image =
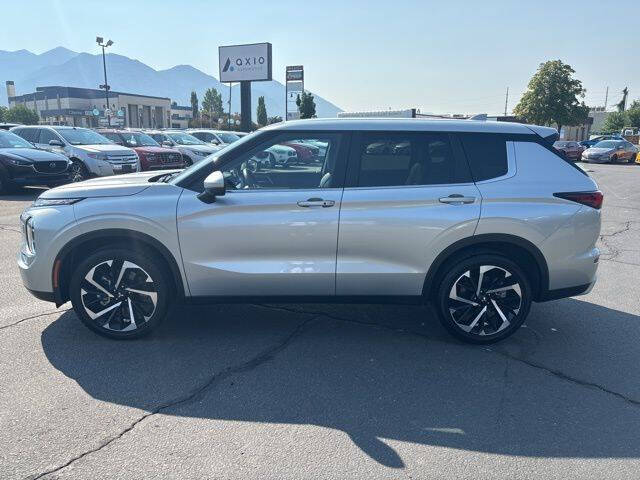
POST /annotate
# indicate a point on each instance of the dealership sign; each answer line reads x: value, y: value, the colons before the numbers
x: 245, y: 63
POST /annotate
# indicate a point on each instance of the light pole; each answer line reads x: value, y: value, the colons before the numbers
x: 100, y: 41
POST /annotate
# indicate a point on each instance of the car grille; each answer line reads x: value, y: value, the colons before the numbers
x: 170, y: 158
x: 54, y: 166
x: 122, y: 159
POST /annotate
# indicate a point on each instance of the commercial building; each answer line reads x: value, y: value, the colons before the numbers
x: 180, y: 116
x: 86, y: 107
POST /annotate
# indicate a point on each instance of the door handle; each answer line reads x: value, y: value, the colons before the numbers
x: 316, y: 202
x: 457, y: 199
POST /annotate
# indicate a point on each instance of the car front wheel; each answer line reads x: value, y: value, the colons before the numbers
x: 484, y: 299
x: 120, y: 293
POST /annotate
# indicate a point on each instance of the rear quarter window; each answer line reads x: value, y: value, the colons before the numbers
x: 486, y: 153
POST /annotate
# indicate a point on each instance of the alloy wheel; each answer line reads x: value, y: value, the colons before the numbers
x: 118, y: 295
x: 485, y: 300
x: 77, y: 173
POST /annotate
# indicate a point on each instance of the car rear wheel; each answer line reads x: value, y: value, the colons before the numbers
x: 120, y: 293
x: 483, y: 299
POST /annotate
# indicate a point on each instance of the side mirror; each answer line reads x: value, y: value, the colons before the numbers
x: 167, y: 143
x: 56, y: 143
x: 213, y: 187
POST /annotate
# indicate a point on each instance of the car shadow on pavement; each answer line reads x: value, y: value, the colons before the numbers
x: 22, y: 195
x: 378, y: 373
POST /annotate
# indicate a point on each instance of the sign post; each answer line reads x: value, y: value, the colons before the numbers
x: 245, y: 64
x: 294, y: 86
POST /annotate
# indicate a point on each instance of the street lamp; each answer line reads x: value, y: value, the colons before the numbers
x: 100, y: 41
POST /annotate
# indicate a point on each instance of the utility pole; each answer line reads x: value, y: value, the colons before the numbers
x: 606, y: 99
x: 506, y: 102
x: 100, y: 41
x: 229, y: 106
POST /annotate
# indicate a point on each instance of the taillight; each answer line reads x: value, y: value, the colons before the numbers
x: 590, y: 199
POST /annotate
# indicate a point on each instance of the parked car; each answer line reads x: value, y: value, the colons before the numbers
x: 91, y: 154
x: 21, y: 164
x: 592, y: 141
x: 192, y: 149
x: 305, y: 153
x: 569, y: 149
x: 8, y: 126
x: 216, y: 137
x: 152, y: 156
x: 611, y: 151
x: 467, y: 229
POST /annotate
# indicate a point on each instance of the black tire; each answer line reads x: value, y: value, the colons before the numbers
x: 79, y: 171
x: 113, y: 292
x: 486, y: 317
x: 613, y: 159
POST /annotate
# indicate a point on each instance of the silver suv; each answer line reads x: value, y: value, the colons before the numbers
x: 480, y: 218
x: 91, y: 154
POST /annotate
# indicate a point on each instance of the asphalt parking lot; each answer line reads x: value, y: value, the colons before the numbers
x: 341, y: 391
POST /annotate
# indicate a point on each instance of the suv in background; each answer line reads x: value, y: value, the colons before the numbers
x: 570, y: 150
x: 91, y: 154
x: 479, y: 218
x: 215, y: 137
x: 152, y: 156
x: 21, y: 164
x: 192, y: 149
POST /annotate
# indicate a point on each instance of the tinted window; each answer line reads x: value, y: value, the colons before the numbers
x: 29, y: 134
x: 46, y: 136
x: 409, y: 159
x: 487, y: 155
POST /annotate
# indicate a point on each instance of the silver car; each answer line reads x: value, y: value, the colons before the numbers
x: 611, y: 151
x: 480, y: 218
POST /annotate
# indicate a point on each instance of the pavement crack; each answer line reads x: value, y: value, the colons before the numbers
x: 556, y: 373
x: 251, y: 364
x: 9, y: 228
x: 2, y: 327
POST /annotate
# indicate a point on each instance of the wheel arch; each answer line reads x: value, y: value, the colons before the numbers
x: 68, y: 257
x: 517, y: 249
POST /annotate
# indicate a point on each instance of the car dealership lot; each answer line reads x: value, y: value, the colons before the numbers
x: 317, y: 391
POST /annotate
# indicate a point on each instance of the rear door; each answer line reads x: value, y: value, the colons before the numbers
x: 408, y: 196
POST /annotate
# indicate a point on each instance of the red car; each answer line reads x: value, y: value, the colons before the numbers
x: 569, y: 149
x: 305, y: 153
x: 152, y: 155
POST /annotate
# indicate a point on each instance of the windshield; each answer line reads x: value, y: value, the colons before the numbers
x: 206, y: 163
x: 11, y: 140
x: 184, y: 138
x: 137, y: 139
x: 228, y: 137
x: 607, y: 144
x: 83, y: 136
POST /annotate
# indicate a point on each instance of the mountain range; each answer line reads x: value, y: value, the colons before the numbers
x: 63, y: 67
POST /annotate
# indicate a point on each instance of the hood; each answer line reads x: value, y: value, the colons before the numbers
x: 109, y: 148
x: 113, y: 186
x: 201, y: 148
x: 31, y: 154
x: 152, y: 149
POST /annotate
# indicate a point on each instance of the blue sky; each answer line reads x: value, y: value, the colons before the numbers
x: 443, y: 57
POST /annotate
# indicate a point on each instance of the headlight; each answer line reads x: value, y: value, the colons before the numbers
x: 19, y: 162
x: 30, y: 236
x: 97, y: 156
x: 52, y: 202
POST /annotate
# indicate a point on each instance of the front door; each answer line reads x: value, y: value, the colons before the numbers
x: 276, y: 229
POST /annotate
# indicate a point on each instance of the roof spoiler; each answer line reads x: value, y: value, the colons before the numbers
x: 548, y: 134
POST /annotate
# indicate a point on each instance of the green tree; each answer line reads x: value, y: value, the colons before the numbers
x: 614, y: 122
x: 274, y: 119
x: 261, y: 112
x: 21, y: 114
x: 212, y: 103
x: 306, y: 105
x: 194, y: 104
x: 3, y: 112
x: 552, y: 97
x: 623, y: 103
x: 633, y: 115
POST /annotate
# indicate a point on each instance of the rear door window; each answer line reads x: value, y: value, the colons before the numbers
x: 29, y: 134
x: 487, y: 154
x: 411, y: 158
